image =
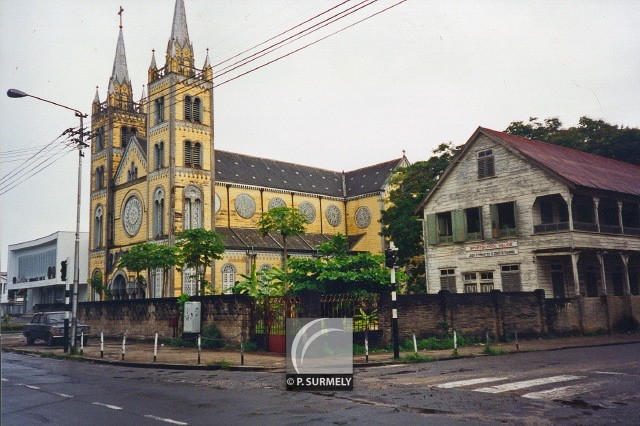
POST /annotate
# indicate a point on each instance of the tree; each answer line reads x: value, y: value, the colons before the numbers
x: 97, y: 284
x: 138, y: 258
x: 286, y: 221
x: 198, y: 248
x: 164, y: 257
x: 593, y: 136
x: 400, y: 223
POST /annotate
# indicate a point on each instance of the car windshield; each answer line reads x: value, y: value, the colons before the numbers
x: 57, y: 317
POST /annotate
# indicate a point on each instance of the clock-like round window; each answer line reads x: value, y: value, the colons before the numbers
x: 363, y: 217
x: 245, y: 206
x: 132, y: 215
x: 334, y: 215
x: 307, y: 209
x: 276, y: 202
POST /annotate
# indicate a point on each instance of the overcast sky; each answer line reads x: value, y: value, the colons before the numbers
x: 419, y: 74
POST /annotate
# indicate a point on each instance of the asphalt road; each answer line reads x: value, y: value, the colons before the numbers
x: 597, y: 386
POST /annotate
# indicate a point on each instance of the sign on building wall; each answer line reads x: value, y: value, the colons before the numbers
x: 489, y: 250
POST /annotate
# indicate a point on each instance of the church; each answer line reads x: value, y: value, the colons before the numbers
x: 155, y: 172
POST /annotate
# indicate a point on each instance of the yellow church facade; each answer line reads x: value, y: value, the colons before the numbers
x: 155, y: 172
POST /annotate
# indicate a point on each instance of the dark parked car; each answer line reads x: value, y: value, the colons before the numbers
x: 49, y: 326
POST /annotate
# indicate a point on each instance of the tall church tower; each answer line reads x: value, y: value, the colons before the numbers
x: 180, y: 149
x: 116, y: 125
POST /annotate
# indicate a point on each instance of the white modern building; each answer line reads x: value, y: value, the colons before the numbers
x: 41, y: 270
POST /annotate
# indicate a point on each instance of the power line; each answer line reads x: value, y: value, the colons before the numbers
x: 4, y: 188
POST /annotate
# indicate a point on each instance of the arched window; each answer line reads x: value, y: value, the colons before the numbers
x: 99, y: 178
x: 189, y: 281
x: 158, y: 281
x: 125, y: 135
x: 228, y: 277
x: 197, y: 155
x: 133, y: 172
x: 158, y: 213
x: 197, y: 110
x: 158, y: 155
x: 192, y: 215
x: 188, y: 154
x: 97, y: 227
x: 188, y: 108
x: 192, y: 154
x: 159, y: 110
x: 99, y: 139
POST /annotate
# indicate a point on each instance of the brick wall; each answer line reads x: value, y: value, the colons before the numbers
x: 144, y: 317
x: 501, y: 314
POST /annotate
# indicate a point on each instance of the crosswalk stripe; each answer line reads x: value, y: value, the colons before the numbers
x: 470, y: 382
x: 527, y: 384
x: 556, y: 393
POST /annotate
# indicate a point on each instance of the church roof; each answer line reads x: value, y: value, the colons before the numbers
x: 247, y: 170
x: 179, y: 30
x: 578, y: 168
x: 252, y: 239
x: 370, y: 179
x: 120, y: 73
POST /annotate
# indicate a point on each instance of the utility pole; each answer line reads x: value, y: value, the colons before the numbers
x: 14, y: 93
x: 76, y: 253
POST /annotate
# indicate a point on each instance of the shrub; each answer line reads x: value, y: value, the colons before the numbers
x: 212, y: 337
x: 413, y: 358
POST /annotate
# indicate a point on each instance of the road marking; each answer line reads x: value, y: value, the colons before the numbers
x: 162, y: 419
x: 113, y: 407
x: 32, y: 387
x: 610, y: 372
x: 526, y: 384
x: 470, y: 382
x: 63, y: 395
x: 4, y: 380
x: 560, y: 392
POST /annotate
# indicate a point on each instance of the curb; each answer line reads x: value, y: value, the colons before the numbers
x: 255, y: 368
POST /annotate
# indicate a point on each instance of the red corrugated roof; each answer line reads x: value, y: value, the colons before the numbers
x: 580, y: 168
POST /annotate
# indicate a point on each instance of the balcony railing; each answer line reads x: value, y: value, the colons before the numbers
x: 582, y: 226
x: 610, y: 229
x: 508, y: 232
x: 551, y: 227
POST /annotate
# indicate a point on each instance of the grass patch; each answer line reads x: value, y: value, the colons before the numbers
x: 224, y: 364
x: 436, y: 344
x: 416, y: 358
x: 488, y: 350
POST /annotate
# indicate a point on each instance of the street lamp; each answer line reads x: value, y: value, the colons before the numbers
x: 13, y: 93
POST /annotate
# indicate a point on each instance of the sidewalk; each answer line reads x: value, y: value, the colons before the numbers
x: 141, y: 353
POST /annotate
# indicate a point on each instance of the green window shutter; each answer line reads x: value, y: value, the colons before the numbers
x: 432, y: 229
x: 495, y: 224
x: 457, y: 219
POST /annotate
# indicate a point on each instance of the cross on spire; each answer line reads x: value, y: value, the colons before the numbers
x: 120, y: 14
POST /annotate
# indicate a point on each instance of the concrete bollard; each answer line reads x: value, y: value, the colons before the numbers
x: 155, y: 348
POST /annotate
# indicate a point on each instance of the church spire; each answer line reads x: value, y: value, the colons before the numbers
x: 119, y: 92
x: 179, y: 30
x: 179, y: 50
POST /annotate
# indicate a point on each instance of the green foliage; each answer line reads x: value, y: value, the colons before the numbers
x: 437, y: 344
x: 97, y: 284
x: 257, y: 284
x: 416, y: 358
x: 286, y: 221
x: 488, y: 350
x: 410, y: 185
x: 137, y: 259
x: 211, y: 337
x: 7, y: 327
x: 593, y: 136
x: 197, y: 248
x: 368, y: 319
